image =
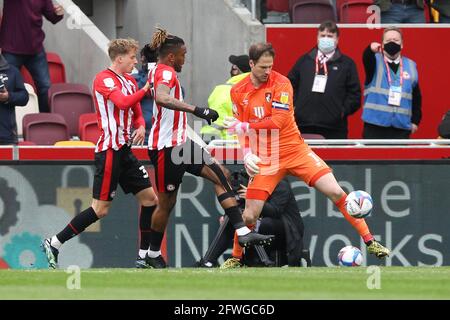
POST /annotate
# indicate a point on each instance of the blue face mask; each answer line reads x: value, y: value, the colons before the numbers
x: 326, y: 45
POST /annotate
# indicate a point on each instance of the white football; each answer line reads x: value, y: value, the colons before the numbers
x: 350, y: 256
x: 359, y: 204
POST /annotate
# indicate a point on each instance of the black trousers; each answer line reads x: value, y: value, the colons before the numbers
x: 372, y: 131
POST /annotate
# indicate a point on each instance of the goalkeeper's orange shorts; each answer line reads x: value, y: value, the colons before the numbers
x: 304, y: 164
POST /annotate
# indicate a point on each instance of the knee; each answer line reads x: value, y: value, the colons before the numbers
x: 149, y: 200
x: 101, y: 212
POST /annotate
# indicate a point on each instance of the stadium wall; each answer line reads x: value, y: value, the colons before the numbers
x: 410, y: 214
x: 81, y: 45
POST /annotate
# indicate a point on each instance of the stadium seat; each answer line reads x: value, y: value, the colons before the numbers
x: 88, y: 127
x: 56, y: 69
x: 353, y: 11
x: 44, y: 128
x: 277, y: 5
x: 74, y: 143
x: 70, y: 100
x: 31, y: 107
x: 311, y: 11
x: 312, y: 136
x: 26, y: 143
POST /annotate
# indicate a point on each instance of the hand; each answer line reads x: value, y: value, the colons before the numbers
x: 4, y: 96
x: 375, y: 47
x: 146, y: 87
x: 235, y: 126
x: 242, y: 191
x: 59, y: 10
x: 414, y: 128
x: 138, y: 136
x: 251, y: 164
x: 210, y: 115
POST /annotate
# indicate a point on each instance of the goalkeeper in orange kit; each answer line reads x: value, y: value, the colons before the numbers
x: 272, y: 144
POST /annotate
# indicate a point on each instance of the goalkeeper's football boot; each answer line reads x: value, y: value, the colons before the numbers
x: 51, y: 253
x: 378, y: 249
x: 155, y: 263
x: 231, y: 263
x: 252, y: 238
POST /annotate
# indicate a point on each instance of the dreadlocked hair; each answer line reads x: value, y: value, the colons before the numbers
x: 165, y: 43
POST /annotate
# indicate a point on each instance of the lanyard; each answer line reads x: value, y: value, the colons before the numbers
x: 389, y: 71
x: 325, y: 68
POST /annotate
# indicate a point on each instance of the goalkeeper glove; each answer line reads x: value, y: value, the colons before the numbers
x: 251, y: 163
x: 210, y: 115
x: 235, y: 126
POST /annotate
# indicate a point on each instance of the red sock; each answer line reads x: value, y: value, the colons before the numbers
x: 237, y: 249
x: 359, y: 224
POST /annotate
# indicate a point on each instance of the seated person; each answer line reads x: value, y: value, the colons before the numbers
x: 280, y: 217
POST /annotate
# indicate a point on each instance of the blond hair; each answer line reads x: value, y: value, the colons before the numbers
x: 119, y: 47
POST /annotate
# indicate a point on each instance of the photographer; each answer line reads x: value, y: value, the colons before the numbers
x: 12, y: 94
x: 280, y: 217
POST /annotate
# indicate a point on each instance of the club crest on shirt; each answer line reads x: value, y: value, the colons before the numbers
x: 284, y: 97
x: 406, y: 75
x: 268, y: 96
x: 167, y: 76
x: 109, y: 83
x: 259, y: 112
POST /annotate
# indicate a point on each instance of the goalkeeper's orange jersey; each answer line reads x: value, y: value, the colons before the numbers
x: 271, y: 103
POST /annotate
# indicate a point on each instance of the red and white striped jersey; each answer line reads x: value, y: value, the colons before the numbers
x: 114, y: 122
x: 168, y: 126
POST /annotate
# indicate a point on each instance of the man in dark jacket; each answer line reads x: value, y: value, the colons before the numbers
x: 326, y: 87
x: 280, y: 216
x: 12, y: 94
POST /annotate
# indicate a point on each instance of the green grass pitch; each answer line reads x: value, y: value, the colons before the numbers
x: 246, y: 283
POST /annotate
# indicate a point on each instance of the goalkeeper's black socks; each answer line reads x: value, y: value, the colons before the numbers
x: 145, y: 222
x: 78, y: 224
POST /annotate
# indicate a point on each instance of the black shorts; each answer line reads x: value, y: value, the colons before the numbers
x: 118, y: 167
x: 171, y: 163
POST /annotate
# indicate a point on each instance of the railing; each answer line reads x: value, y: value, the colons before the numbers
x: 366, y: 143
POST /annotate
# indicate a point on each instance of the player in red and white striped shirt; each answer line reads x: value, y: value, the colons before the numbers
x: 118, y: 110
x: 172, y: 153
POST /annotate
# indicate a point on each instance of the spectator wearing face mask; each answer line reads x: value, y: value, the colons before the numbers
x: 326, y: 87
x: 392, y: 99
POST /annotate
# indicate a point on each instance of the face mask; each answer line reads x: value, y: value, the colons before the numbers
x: 392, y: 48
x: 326, y: 45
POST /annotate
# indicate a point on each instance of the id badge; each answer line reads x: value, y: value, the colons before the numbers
x: 320, y: 82
x: 395, y: 96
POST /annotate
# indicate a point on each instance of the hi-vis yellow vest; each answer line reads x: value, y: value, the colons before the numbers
x: 220, y: 101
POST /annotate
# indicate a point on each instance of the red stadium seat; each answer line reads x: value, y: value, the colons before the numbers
x: 311, y: 11
x: 353, y: 11
x: 26, y: 143
x: 88, y: 127
x: 70, y: 100
x: 277, y: 5
x: 56, y: 69
x: 312, y: 136
x: 44, y: 128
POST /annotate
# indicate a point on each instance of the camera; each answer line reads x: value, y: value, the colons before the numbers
x: 3, y: 79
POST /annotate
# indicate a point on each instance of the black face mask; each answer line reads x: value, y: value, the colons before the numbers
x: 392, y: 48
